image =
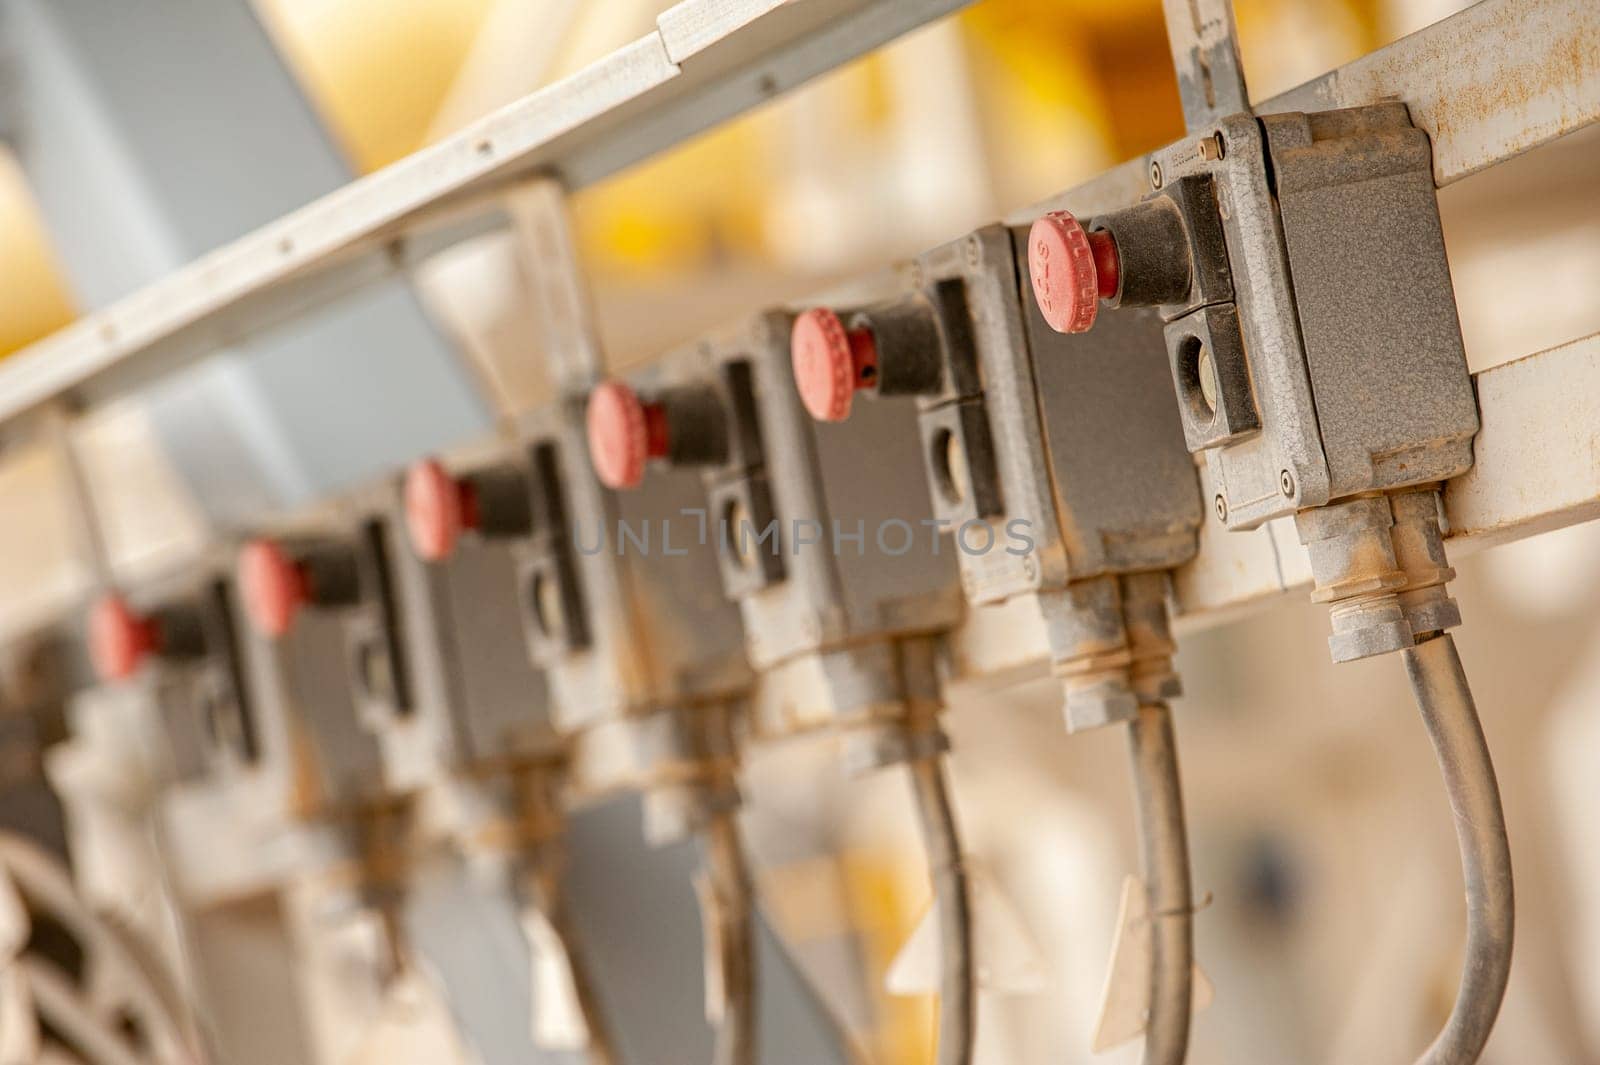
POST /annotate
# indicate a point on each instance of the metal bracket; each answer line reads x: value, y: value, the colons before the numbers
x: 1205, y: 52
x: 549, y: 256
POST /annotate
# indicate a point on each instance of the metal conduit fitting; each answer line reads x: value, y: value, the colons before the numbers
x: 1150, y: 643
x: 1093, y: 656
x: 1419, y: 551
x: 1355, y: 572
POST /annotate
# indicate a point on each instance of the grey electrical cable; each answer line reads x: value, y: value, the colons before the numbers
x: 1445, y: 700
x: 953, y: 905
x: 1165, y: 844
x: 731, y: 907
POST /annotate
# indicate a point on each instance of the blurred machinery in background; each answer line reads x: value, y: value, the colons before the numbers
x: 586, y: 591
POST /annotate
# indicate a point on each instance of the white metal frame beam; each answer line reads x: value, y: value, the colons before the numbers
x: 707, y: 61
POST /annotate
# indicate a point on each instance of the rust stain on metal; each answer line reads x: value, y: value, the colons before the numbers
x: 1553, y: 76
x: 1484, y: 107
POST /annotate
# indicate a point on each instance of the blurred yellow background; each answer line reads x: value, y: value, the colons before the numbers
x: 34, y: 300
x: 1057, y: 91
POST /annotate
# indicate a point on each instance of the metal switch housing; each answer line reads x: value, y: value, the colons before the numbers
x: 348, y: 663
x: 659, y: 629
x: 643, y: 656
x: 1088, y: 452
x: 199, y: 682
x: 469, y: 656
x: 1336, y: 364
x: 831, y: 548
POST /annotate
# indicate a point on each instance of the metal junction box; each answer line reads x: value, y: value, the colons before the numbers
x: 469, y: 655
x: 655, y: 626
x: 1072, y: 441
x: 625, y: 614
x: 199, y: 684
x: 824, y: 530
x: 347, y: 667
x: 1053, y: 459
x: 1331, y: 363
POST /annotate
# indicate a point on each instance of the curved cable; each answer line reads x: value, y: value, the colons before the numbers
x: 1451, y: 718
x: 47, y: 885
x: 729, y: 906
x: 65, y: 1008
x: 952, y: 902
x: 1164, y: 842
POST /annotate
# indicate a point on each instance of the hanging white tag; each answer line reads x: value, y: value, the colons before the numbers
x: 413, y: 1024
x: 1125, y: 1002
x: 19, y: 1027
x: 712, y: 947
x: 14, y: 924
x: 558, y: 1022
x: 1005, y: 951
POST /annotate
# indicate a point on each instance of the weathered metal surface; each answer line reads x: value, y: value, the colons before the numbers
x: 1248, y: 472
x: 1479, y: 105
x: 981, y: 266
x: 1496, y: 80
x: 1082, y: 473
x: 819, y: 606
x: 1236, y: 571
x: 659, y: 630
x: 857, y: 475
x: 1373, y: 298
x: 470, y: 670
x: 1357, y: 377
x: 1205, y: 52
x: 1109, y: 190
x: 1125, y: 489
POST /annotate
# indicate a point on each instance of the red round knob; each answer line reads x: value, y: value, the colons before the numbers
x: 438, y: 509
x: 624, y: 434
x: 273, y: 586
x: 830, y: 363
x: 119, y: 639
x: 1072, y: 271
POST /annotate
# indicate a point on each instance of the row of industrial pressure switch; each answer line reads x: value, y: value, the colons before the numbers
x: 729, y: 548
